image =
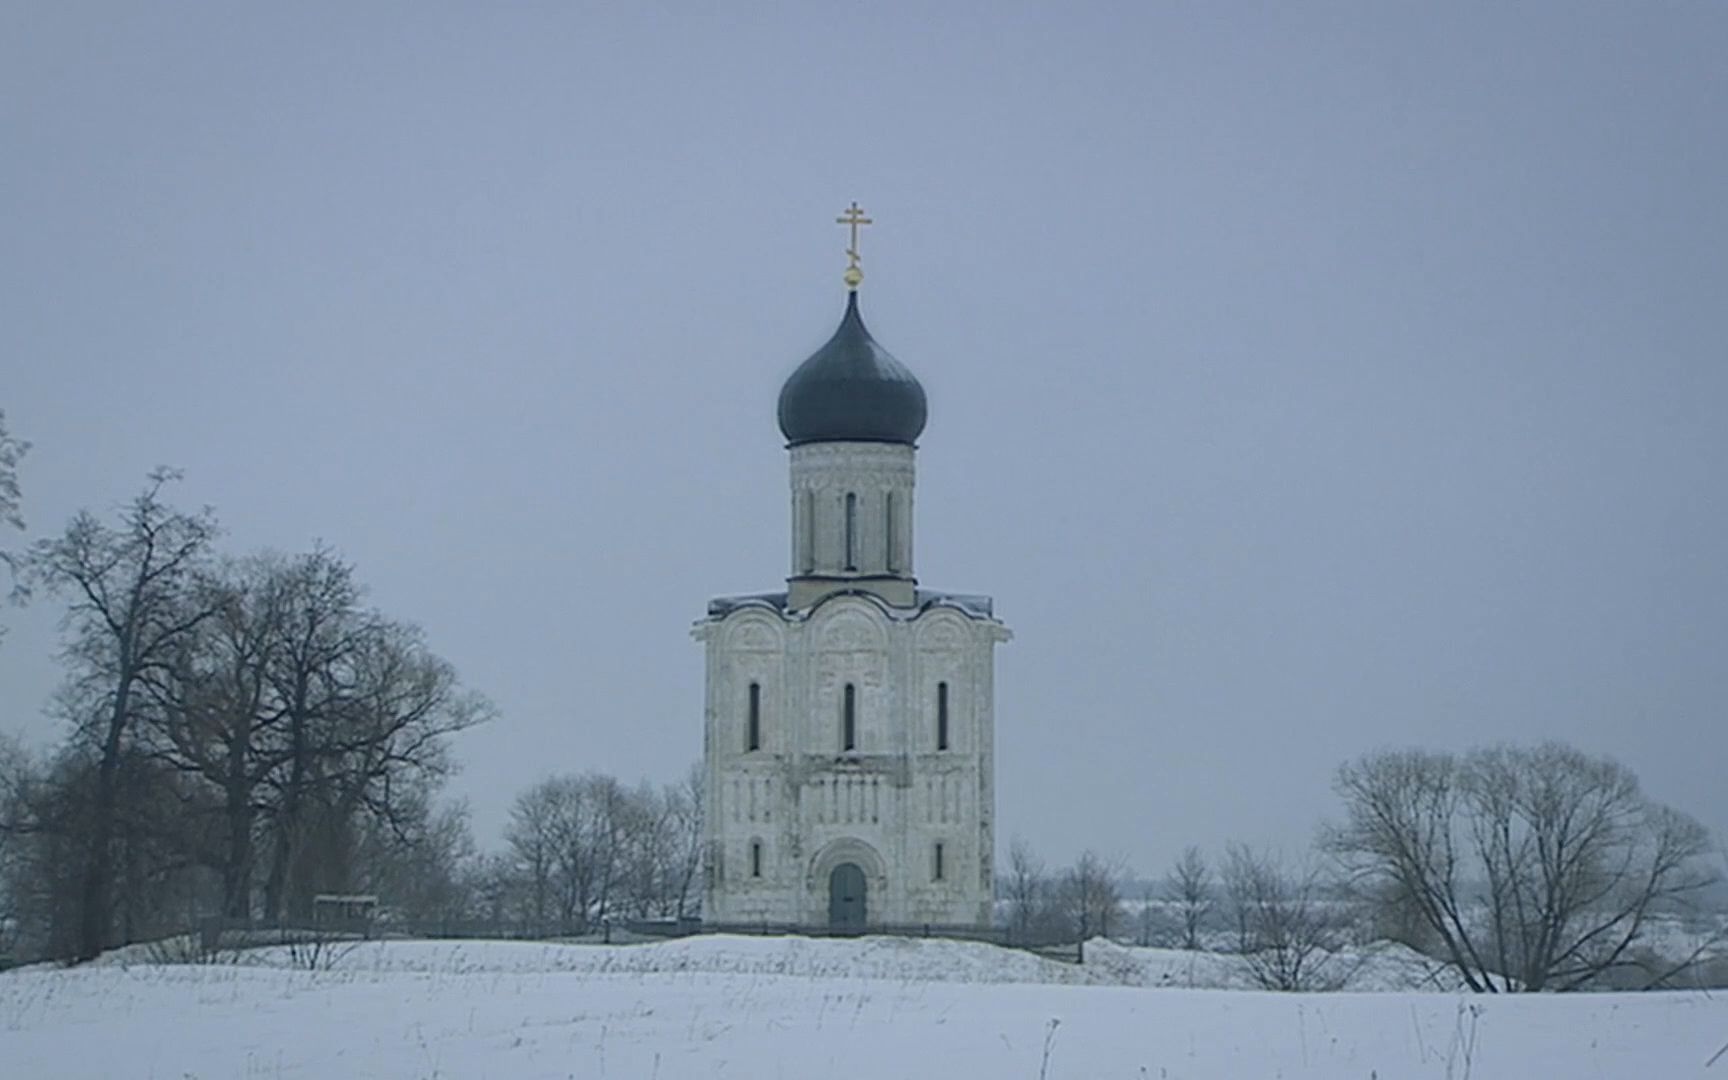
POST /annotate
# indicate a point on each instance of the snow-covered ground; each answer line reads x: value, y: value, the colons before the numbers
x: 864, y: 958
x: 1381, y: 967
x: 750, y: 1007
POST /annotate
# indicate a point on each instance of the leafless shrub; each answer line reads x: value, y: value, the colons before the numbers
x: 319, y: 950
x: 190, y: 949
x: 1287, y: 930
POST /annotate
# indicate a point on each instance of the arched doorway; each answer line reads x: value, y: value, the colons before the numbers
x: 846, y: 889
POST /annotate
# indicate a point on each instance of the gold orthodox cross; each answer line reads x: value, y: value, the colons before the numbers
x: 853, y: 216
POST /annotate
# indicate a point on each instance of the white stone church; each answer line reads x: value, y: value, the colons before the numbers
x: 849, y: 725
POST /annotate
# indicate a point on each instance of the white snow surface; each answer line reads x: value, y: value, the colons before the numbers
x: 1384, y: 966
x: 791, y: 1007
x: 898, y: 958
x: 1381, y: 967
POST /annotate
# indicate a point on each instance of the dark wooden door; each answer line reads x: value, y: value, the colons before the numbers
x: 846, y: 898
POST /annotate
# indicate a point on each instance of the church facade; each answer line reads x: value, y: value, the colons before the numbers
x: 849, y: 720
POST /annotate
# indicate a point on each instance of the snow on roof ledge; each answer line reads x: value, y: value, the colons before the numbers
x: 971, y: 604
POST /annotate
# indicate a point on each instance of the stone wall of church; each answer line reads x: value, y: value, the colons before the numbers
x: 852, y: 520
x: 780, y: 816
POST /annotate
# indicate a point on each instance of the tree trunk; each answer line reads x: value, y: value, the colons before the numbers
x: 237, y: 869
x: 237, y: 794
x: 93, y: 919
x: 288, y: 822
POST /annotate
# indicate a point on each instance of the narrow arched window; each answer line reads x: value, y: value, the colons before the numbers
x: 937, y: 866
x: 892, y: 563
x: 807, y: 552
x: 753, y: 727
x: 851, y: 531
x: 849, y: 719
x: 755, y: 858
x: 941, y: 716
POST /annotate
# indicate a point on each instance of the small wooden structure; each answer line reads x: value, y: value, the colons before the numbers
x: 352, y: 913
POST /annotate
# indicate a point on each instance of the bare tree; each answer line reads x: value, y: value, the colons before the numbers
x: 1286, y: 931
x: 586, y: 849
x: 132, y: 602
x: 1533, y: 868
x: 39, y: 856
x: 320, y: 626
x: 492, y: 884
x: 315, y: 717
x: 1026, y: 888
x: 47, y: 815
x: 421, y: 861
x: 1189, y: 891
x: 532, y: 839
x: 645, y: 854
x: 684, y: 803
x: 217, y: 712
x: 606, y: 829
x: 17, y: 775
x: 371, y: 758
x: 1091, y: 896
x: 223, y: 711
x: 566, y: 832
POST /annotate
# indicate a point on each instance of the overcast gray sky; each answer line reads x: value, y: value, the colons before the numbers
x: 1303, y: 379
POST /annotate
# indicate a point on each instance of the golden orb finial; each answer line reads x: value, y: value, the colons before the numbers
x: 853, y: 216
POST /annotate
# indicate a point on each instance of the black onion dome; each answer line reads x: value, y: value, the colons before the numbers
x: 851, y: 390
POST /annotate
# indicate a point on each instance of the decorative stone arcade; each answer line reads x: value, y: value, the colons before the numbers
x: 848, y: 730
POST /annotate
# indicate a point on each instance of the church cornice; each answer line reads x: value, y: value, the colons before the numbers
x: 974, y: 607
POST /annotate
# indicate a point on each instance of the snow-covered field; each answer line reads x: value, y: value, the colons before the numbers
x: 749, y: 1007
